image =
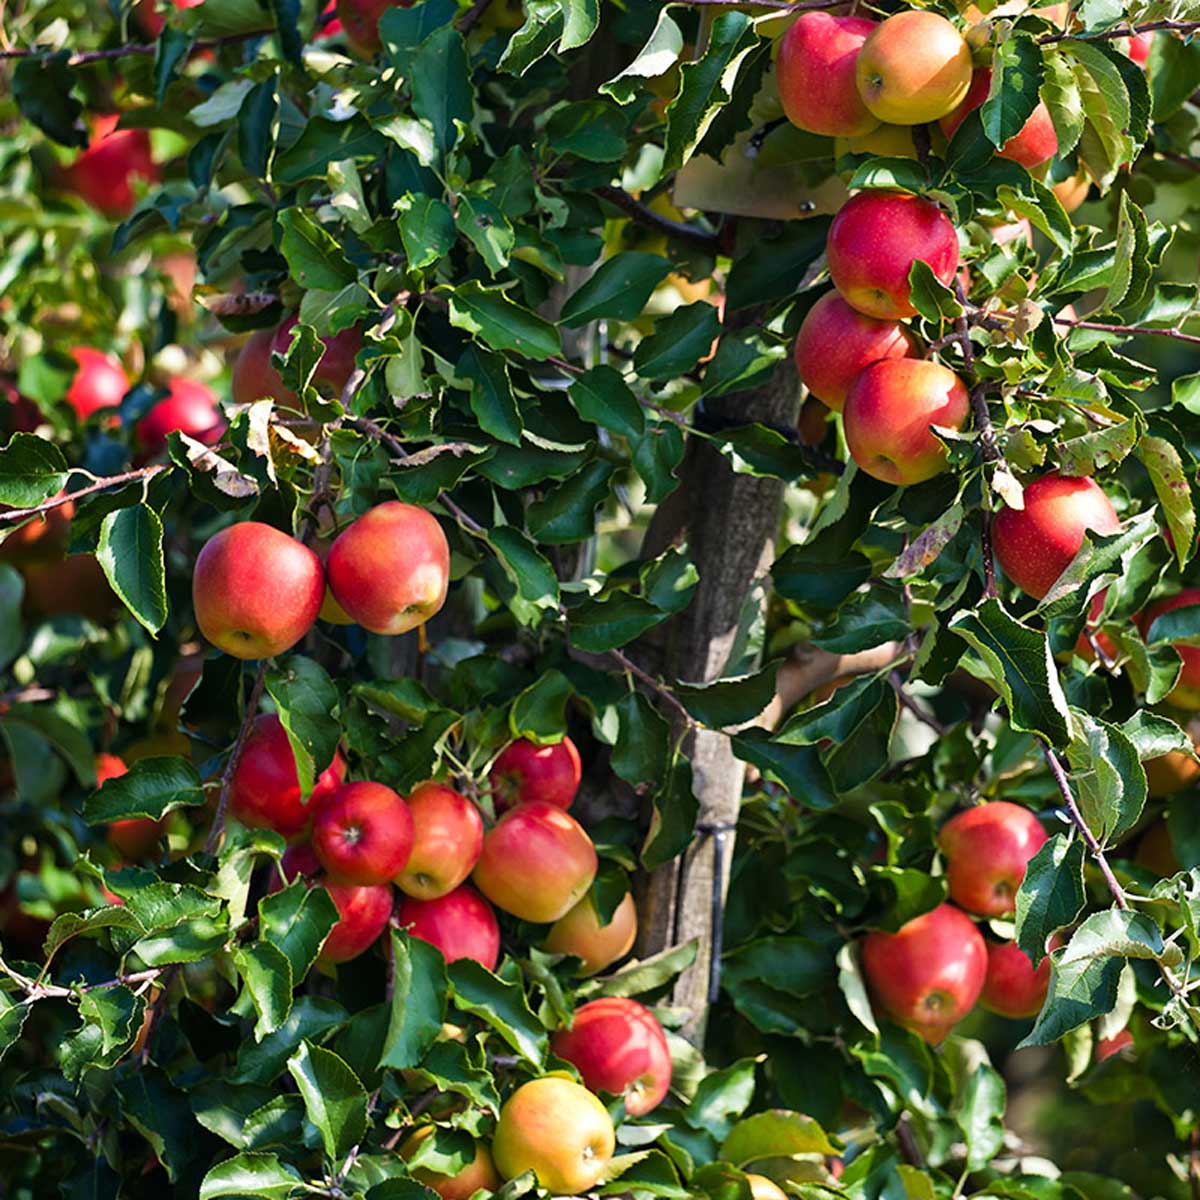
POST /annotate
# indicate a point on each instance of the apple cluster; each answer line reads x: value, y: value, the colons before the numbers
x: 929, y: 974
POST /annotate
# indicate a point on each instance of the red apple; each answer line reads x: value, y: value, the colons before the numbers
x: 460, y: 924
x: 618, y: 1046
x: 1036, y: 142
x: 151, y: 20
x: 360, y: 22
x: 363, y: 910
x: 390, y: 569
x: 479, y: 1173
x: 987, y: 848
x: 256, y: 591
x: 1140, y: 46
x: 190, y: 407
x: 1035, y: 545
x: 1186, y: 692
x: 447, y: 841
x: 265, y: 789
x: 874, y: 241
x: 537, y: 863
x: 255, y: 377
x: 103, y: 174
x: 836, y: 342
x: 137, y: 837
x: 1013, y: 987
x: 580, y: 934
x: 1107, y: 1047
x: 100, y: 382
x: 928, y: 975
x: 815, y: 73
x: 888, y: 415
x: 524, y: 772
x: 363, y: 834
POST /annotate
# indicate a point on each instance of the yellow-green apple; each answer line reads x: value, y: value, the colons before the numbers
x: 103, y: 174
x: 390, y: 569
x: 254, y: 375
x: 136, y: 837
x: 189, y: 407
x: 762, y: 1188
x: 363, y: 910
x: 1035, y: 544
x: 873, y: 242
x: 580, y: 934
x: 1073, y: 192
x: 537, y: 863
x: 836, y: 342
x: 815, y: 73
x: 914, y: 68
x: 1186, y: 692
x: 460, y: 924
x: 479, y: 1173
x: 363, y: 833
x: 447, y: 841
x: 255, y: 590
x: 524, y: 772
x: 888, y: 414
x: 559, y: 1131
x: 987, y: 848
x: 99, y: 382
x: 618, y: 1046
x: 1035, y: 142
x: 264, y: 792
x: 1013, y: 987
x: 928, y: 975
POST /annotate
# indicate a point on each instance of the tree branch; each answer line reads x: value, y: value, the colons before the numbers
x: 1129, y: 330
x: 131, y: 48
x: 65, y: 497
x: 701, y: 239
x: 1101, y: 35
x: 35, y: 990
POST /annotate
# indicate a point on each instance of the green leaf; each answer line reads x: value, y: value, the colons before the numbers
x: 261, y: 1176
x: 528, y: 569
x: 111, y: 1019
x: 402, y: 30
x: 334, y: 1099
x: 426, y: 228
x: 31, y: 471
x: 1110, y: 782
x: 305, y: 698
x: 539, y: 712
x: 618, y: 290
x: 492, y: 399
x: 441, y: 85
x: 311, y: 1019
x: 1019, y: 665
x: 799, y: 769
x: 721, y: 1098
x: 980, y: 1116
x: 43, y: 86
x: 647, y: 975
x: 673, y: 817
x: 131, y: 553
x: 930, y: 296
x: 12, y: 1022
x: 679, y: 341
x: 267, y: 974
x: 500, y: 1004
x: 642, y: 746
x: 867, y: 619
x: 1016, y: 79
x: 489, y: 314
x: 776, y: 1134
x: 1051, y: 895
x: 418, y: 1005
x: 296, y: 920
x: 1165, y: 467
x: 598, y: 626
x: 602, y: 397
x: 152, y: 787
x: 324, y: 142
x: 568, y: 512
x: 12, y: 627
x: 535, y: 39
x: 732, y: 701
x: 258, y: 127
x: 313, y: 256
x: 487, y: 229
x: 1060, y: 91
x: 660, y: 53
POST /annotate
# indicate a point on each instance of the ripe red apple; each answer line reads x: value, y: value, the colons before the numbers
x: 137, y: 837
x: 99, y: 382
x: 447, y: 841
x: 888, y: 415
x: 363, y: 833
x: 390, y: 569
x: 1034, y: 144
x: 580, y: 933
x: 479, y: 1173
x: 460, y: 924
x: 836, y: 342
x: 190, y: 407
x: 1107, y: 1047
x: 103, y: 174
x: 874, y: 241
x: 815, y: 72
x: 914, y: 68
x: 256, y: 591
x: 1013, y: 987
x: 1140, y: 46
x: 265, y: 789
x: 255, y: 378
x: 524, y: 772
x: 987, y: 848
x: 559, y: 1131
x: 928, y: 975
x: 537, y: 863
x: 151, y: 20
x: 1186, y: 692
x: 1035, y: 544
x: 618, y: 1046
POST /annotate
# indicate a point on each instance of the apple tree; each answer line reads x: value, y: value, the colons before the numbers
x: 599, y: 599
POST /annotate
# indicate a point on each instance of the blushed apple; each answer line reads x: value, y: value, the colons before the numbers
x: 363, y: 833
x: 460, y: 924
x: 815, y: 73
x: 99, y: 382
x: 135, y: 838
x: 189, y: 407
x: 255, y: 377
x: 1186, y: 692
x: 525, y: 772
x: 987, y: 848
x: 1035, y: 143
x: 1013, y: 987
x: 447, y: 841
x: 579, y: 933
x: 479, y: 1173
x: 103, y: 173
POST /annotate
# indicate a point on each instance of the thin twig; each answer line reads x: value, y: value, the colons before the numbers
x: 702, y: 239
x: 1123, y: 31
x: 40, y: 991
x: 657, y: 686
x: 218, y: 825
x: 467, y: 21
x: 1130, y: 330
x: 132, y: 48
x: 897, y: 682
x: 65, y: 497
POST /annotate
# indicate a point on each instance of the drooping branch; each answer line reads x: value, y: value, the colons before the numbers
x: 701, y: 239
x: 98, y: 485
x: 1129, y: 330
